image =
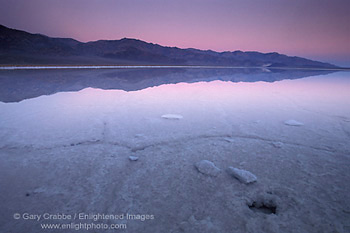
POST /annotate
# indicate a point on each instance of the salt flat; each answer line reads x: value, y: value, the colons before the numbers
x: 70, y: 153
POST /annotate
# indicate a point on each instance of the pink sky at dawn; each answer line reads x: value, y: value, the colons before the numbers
x: 315, y: 29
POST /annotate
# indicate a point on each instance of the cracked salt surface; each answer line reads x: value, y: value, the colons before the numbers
x: 71, y: 153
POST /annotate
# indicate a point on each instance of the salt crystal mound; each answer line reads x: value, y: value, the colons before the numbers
x: 172, y: 116
x: 208, y: 168
x: 243, y: 176
x: 293, y: 123
x: 133, y: 158
x: 277, y: 144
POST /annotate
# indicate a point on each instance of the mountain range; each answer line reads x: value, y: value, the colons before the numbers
x: 22, y: 48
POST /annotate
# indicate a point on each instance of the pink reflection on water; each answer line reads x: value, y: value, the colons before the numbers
x: 329, y: 94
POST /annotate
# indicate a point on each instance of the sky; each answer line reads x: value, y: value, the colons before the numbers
x: 315, y: 29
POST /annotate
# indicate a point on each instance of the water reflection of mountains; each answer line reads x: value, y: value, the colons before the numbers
x: 17, y: 85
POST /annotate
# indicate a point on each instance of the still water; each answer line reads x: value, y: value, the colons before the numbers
x: 54, y: 108
x: 290, y: 128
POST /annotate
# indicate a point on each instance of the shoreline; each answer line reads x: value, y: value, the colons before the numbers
x: 46, y: 67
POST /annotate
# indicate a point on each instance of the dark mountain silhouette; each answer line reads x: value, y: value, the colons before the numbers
x: 23, y: 48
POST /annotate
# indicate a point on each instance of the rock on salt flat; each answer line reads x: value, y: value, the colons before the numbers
x: 208, y: 168
x: 133, y: 158
x: 172, y: 116
x: 243, y: 176
x: 293, y: 123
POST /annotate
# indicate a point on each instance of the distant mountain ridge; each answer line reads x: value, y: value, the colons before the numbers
x: 23, y: 48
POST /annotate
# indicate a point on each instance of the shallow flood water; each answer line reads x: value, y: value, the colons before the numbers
x: 66, y: 138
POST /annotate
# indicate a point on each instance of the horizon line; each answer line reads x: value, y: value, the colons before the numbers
x: 51, y: 67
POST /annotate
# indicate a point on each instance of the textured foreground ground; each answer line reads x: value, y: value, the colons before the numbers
x: 69, y: 154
